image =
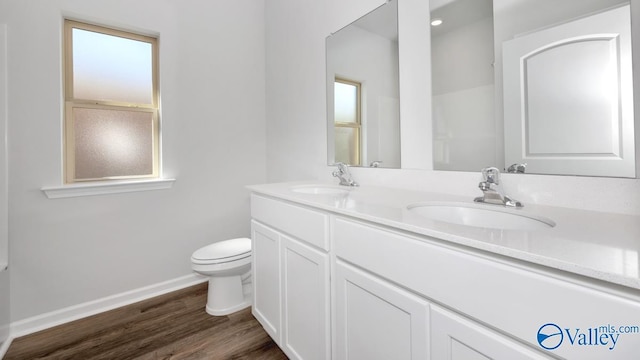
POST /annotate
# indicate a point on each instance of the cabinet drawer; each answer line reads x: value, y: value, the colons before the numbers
x: 303, y: 224
x: 505, y: 295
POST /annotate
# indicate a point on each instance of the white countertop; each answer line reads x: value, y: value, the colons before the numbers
x: 599, y: 245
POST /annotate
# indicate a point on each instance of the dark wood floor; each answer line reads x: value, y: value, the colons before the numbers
x: 171, y: 326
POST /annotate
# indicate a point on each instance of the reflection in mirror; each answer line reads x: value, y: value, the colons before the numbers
x: 540, y: 82
x: 347, y: 121
x: 363, y: 102
x: 463, y: 86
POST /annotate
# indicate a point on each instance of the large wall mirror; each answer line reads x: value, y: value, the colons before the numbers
x: 542, y: 82
x: 363, y: 101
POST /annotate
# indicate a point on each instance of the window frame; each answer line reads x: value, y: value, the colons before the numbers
x: 357, y: 125
x: 71, y: 102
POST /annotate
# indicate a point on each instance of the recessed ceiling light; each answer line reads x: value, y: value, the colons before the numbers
x: 436, y: 22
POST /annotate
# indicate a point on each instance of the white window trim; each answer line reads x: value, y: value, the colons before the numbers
x: 106, y: 187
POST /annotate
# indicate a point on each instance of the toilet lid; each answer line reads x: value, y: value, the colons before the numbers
x: 223, y: 251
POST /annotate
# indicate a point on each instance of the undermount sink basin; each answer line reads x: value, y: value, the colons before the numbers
x: 320, y: 190
x: 484, y: 216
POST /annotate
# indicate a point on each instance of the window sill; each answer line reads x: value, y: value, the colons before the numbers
x: 104, y: 188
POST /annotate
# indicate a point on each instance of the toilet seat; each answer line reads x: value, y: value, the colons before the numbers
x: 223, y: 252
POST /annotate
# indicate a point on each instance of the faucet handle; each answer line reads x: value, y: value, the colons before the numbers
x: 517, y: 168
x: 491, y: 175
x: 342, y: 167
x: 343, y: 174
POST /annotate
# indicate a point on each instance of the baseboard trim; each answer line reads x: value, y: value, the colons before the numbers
x: 4, y: 347
x: 58, y: 317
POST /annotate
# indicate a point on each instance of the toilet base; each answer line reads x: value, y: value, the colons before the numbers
x: 227, y: 311
x: 226, y: 296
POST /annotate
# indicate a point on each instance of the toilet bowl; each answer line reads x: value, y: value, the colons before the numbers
x: 227, y: 264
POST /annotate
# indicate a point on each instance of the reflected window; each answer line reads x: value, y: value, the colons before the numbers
x: 348, y: 124
x: 111, y: 110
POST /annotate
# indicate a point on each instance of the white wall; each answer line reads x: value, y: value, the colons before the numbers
x: 295, y: 93
x: 4, y: 216
x: 69, y: 251
x: 296, y: 114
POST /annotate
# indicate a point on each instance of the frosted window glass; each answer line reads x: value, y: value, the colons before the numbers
x: 346, y: 141
x: 112, y: 143
x: 111, y: 68
x: 346, y: 103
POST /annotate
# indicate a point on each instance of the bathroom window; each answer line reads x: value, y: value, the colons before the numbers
x: 348, y: 123
x: 111, y: 104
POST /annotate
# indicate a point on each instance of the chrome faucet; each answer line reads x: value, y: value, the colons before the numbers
x: 517, y: 168
x: 492, y: 189
x: 344, y: 175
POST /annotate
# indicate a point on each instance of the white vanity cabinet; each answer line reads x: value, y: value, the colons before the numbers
x: 497, y: 306
x: 376, y: 319
x: 291, y: 276
x: 330, y: 284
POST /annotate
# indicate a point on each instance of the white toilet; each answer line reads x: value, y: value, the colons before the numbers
x: 227, y: 264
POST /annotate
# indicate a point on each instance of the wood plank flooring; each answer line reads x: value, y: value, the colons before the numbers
x: 171, y: 326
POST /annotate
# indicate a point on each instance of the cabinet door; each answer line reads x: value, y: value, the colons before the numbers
x: 454, y: 337
x: 306, y: 316
x: 377, y: 320
x: 266, y: 278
